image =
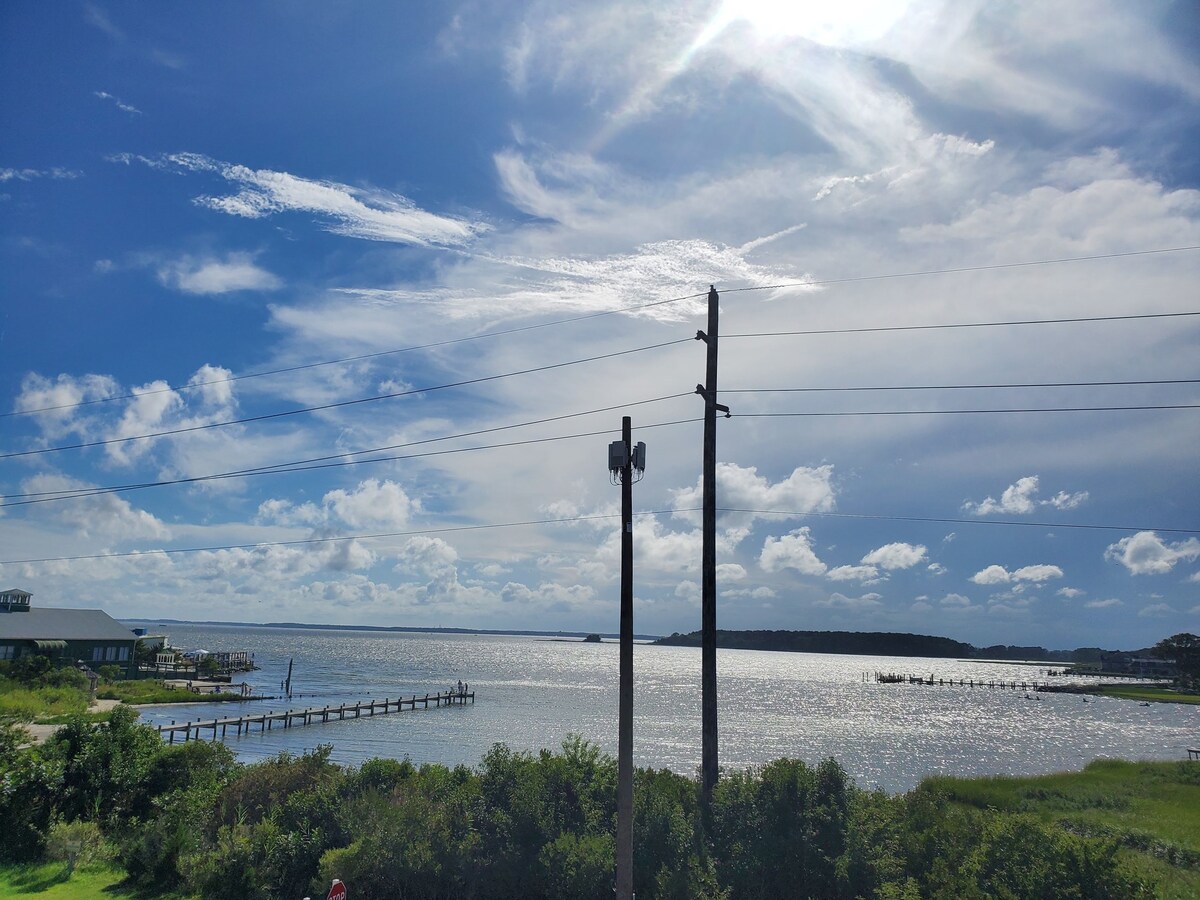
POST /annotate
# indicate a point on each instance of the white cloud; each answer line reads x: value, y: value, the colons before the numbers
x: 1021, y: 498
x: 236, y: 272
x: 1155, y: 611
x: 936, y: 569
x: 1145, y: 553
x: 791, y: 551
x: 1103, y: 604
x: 372, y: 214
x: 852, y: 573
x: 99, y: 515
x: 121, y: 104
x: 841, y: 601
x: 896, y: 556
x: 999, y: 575
x: 742, y: 488
x: 56, y: 173
x: 1069, y: 592
x: 373, y: 504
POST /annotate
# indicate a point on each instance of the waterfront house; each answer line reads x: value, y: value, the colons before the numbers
x: 64, y: 636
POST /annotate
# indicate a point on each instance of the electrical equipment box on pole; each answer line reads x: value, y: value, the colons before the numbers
x: 618, y: 456
x: 639, y: 456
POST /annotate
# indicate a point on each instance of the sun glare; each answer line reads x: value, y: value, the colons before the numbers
x: 843, y: 23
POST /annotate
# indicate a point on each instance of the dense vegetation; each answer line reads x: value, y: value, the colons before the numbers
x: 1184, y: 648
x: 190, y: 821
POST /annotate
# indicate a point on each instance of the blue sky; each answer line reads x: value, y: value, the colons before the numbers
x: 192, y: 194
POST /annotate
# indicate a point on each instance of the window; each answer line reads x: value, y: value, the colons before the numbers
x: 123, y: 656
x: 97, y: 654
x: 7, y: 651
x: 110, y: 654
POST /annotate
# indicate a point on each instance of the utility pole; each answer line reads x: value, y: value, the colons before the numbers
x: 624, y: 460
x: 708, y: 559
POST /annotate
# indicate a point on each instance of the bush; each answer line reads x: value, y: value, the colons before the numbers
x: 76, y: 844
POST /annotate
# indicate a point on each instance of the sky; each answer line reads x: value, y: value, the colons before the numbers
x: 426, y: 256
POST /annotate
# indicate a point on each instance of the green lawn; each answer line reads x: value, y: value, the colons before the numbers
x: 1151, y: 809
x: 1148, y: 694
x: 49, y: 880
x: 151, y: 691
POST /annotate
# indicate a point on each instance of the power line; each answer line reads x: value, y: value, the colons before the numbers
x: 116, y: 489
x: 951, y: 521
x: 945, y: 412
x: 286, y: 466
x: 934, y: 327
x: 627, y: 309
x: 350, y: 359
x: 342, y: 403
x: 982, y: 268
x: 958, y: 387
x: 586, y: 518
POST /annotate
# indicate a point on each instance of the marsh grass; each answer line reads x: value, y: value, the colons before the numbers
x: 19, y: 703
x: 1152, y: 811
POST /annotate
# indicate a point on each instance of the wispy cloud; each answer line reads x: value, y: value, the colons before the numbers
x: 56, y: 172
x: 236, y: 272
x: 368, y: 213
x: 121, y: 104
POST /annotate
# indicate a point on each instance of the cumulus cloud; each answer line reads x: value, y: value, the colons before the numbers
x: 895, y: 556
x: 841, y: 601
x: 791, y: 551
x: 1000, y: 575
x: 98, y: 515
x: 372, y: 214
x: 236, y: 272
x: 852, y: 573
x: 1145, y: 553
x: 1103, y: 604
x: 805, y: 490
x: 1069, y: 592
x: 373, y: 504
x: 1021, y: 498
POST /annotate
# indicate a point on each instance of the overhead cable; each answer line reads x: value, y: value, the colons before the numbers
x: 340, y: 404
x: 192, y: 385
x: 448, y: 529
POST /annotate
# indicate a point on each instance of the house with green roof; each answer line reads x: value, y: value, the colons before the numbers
x: 64, y: 636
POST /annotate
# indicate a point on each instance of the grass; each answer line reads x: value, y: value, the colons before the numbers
x: 149, y: 691
x: 50, y: 881
x: 1149, y: 694
x: 1151, y: 809
x: 19, y: 703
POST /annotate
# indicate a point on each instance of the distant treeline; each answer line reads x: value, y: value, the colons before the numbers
x: 879, y: 643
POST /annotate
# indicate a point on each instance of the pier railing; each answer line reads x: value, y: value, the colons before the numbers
x: 294, y: 718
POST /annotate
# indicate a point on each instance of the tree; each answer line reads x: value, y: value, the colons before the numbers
x: 1184, y: 648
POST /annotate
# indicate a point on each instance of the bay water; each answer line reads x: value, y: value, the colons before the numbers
x: 533, y: 692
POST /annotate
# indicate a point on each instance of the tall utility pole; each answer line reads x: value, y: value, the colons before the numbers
x: 708, y: 560
x: 624, y: 459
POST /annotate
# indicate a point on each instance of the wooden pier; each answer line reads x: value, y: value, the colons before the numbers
x: 294, y: 718
x: 893, y: 678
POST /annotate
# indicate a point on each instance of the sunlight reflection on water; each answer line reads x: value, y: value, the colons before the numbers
x: 533, y: 692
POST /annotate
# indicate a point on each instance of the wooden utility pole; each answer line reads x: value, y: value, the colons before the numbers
x: 708, y: 560
x: 623, y: 459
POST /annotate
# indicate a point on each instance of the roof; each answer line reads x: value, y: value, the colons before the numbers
x: 62, y: 625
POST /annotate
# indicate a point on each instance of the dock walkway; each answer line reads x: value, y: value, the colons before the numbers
x: 294, y: 718
x: 1009, y: 685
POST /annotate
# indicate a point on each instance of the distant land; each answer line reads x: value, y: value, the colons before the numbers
x: 855, y: 643
x: 886, y: 643
x: 411, y: 629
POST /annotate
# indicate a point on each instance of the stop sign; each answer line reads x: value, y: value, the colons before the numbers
x: 337, y: 891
